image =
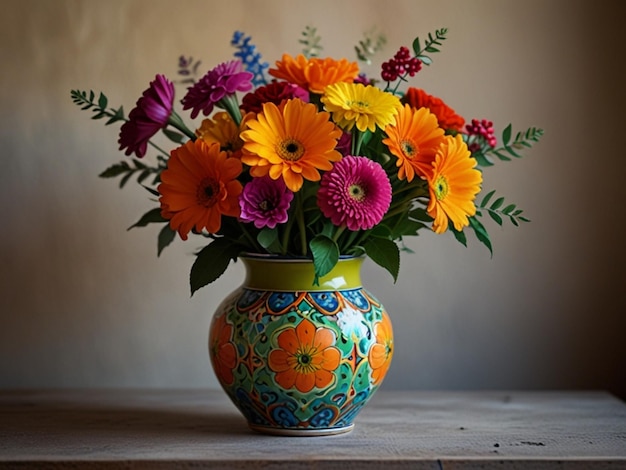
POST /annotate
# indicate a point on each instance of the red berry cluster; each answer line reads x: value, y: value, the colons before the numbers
x: 484, y: 129
x: 401, y: 64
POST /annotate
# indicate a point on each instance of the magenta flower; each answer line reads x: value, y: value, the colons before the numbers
x: 274, y: 92
x: 150, y: 115
x: 220, y: 82
x: 265, y: 202
x: 355, y: 193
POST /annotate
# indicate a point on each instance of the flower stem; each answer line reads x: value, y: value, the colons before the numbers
x: 177, y: 122
x: 357, y: 140
x: 301, y: 225
x: 231, y: 105
x: 254, y: 244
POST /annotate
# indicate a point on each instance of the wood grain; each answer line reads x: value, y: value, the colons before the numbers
x: 160, y: 429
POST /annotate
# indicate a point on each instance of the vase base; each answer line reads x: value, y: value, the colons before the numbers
x: 301, y: 432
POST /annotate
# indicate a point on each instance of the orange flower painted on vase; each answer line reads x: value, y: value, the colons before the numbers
x: 306, y: 357
x: 223, y: 352
x: 381, y: 352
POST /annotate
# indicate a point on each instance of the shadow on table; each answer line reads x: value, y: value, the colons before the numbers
x: 129, y: 419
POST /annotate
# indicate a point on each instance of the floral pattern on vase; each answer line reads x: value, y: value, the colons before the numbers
x: 300, y: 360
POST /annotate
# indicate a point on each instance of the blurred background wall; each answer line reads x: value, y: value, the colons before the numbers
x: 85, y: 303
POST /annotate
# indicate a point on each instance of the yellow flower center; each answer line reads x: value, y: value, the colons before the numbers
x: 441, y: 188
x: 409, y: 149
x: 304, y: 362
x: 356, y: 192
x: 357, y: 105
x: 290, y: 150
x: 208, y: 192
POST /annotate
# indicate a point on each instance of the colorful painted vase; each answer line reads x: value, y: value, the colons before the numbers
x: 298, y: 359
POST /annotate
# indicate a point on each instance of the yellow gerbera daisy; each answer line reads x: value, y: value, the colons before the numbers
x: 414, y: 139
x: 314, y: 74
x: 364, y: 106
x: 294, y: 141
x: 453, y: 185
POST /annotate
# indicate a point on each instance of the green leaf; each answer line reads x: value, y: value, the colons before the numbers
x: 407, y: 227
x: 496, y: 218
x: 143, y: 175
x: 508, y: 209
x: 384, y: 253
x: 150, y: 217
x: 325, y: 255
x: 268, y: 239
x: 166, y: 236
x: 417, y: 49
x: 506, y: 135
x: 102, y: 101
x: 125, y: 179
x: 497, y: 203
x: 481, y: 233
x: 174, y: 136
x: 118, y: 115
x: 425, y: 59
x: 152, y: 191
x: 115, y: 170
x: 487, y: 197
x: 211, y: 262
x: 459, y: 235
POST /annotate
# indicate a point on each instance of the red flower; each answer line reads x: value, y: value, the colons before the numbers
x: 446, y: 117
x: 275, y: 92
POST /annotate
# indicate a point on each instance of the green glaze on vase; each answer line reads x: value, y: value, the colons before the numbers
x: 299, y: 359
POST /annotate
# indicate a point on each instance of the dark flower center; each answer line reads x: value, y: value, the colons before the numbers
x: 290, y: 149
x: 409, y: 149
x: 208, y: 191
x: 266, y: 205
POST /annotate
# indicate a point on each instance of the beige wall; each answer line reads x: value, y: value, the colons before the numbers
x: 85, y: 303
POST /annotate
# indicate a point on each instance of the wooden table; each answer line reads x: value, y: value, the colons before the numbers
x: 157, y: 429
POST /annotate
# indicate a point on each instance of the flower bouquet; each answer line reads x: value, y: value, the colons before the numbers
x: 309, y: 158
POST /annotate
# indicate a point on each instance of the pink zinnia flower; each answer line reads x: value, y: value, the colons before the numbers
x: 355, y: 193
x: 150, y: 115
x: 220, y: 82
x: 265, y: 202
x: 275, y: 92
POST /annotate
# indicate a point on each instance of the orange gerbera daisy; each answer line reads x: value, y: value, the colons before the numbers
x: 381, y: 352
x: 223, y: 351
x: 314, y: 74
x: 453, y: 185
x: 414, y: 139
x: 294, y: 142
x: 222, y: 129
x: 446, y: 116
x: 199, y: 186
x: 306, y: 358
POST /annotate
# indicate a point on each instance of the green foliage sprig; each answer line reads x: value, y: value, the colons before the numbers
x: 127, y: 171
x: 369, y: 46
x: 429, y: 45
x: 87, y: 101
x: 509, y: 149
x: 311, y: 42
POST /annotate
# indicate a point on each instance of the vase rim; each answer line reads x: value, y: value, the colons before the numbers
x: 289, y: 258
x: 288, y: 273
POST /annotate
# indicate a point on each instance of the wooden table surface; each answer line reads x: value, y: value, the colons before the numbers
x: 146, y: 429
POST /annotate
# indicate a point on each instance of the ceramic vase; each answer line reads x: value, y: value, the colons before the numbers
x: 297, y: 358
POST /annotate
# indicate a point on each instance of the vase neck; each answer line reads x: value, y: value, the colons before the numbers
x: 293, y: 274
